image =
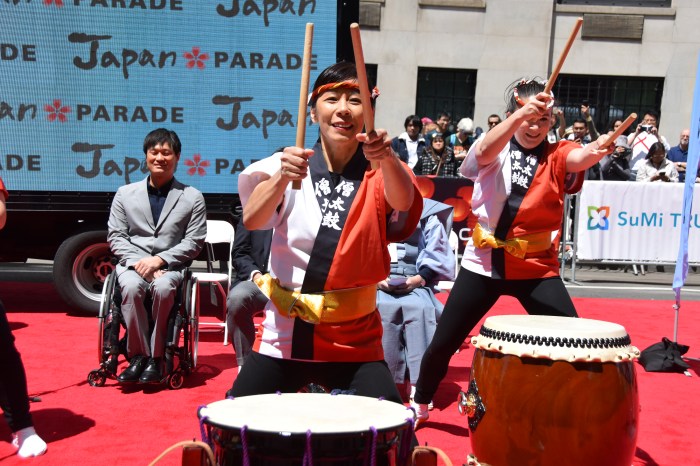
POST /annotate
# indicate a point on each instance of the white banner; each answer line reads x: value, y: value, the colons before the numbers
x: 635, y: 221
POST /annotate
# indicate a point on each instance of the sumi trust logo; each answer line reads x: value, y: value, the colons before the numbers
x: 598, y: 218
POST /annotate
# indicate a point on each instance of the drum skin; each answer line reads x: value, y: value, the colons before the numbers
x: 542, y: 412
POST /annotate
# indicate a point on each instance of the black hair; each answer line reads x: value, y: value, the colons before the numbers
x: 655, y: 147
x: 494, y: 115
x: 526, y: 88
x: 579, y: 120
x: 338, y: 72
x: 414, y: 120
x: 161, y: 136
x: 443, y: 114
x: 653, y: 113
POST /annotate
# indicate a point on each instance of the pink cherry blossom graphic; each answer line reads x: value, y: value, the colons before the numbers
x: 197, y: 165
x: 58, y: 3
x: 57, y: 111
x: 195, y: 58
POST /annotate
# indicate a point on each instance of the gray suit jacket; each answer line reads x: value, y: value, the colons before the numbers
x: 177, y: 239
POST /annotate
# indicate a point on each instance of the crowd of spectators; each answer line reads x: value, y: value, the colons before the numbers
x: 437, y: 147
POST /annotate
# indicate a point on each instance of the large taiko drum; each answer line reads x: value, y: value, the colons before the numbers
x: 293, y: 428
x: 552, y: 391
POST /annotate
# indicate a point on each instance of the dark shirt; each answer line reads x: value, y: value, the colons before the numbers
x: 157, y: 197
x: 676, y: 154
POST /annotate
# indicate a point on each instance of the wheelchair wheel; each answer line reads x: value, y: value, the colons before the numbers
x: 97, y: 378
x: 105, y: 307
x: 176, y: 380
x: 193, y: 312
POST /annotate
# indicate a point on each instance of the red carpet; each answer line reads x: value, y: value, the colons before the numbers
x: 88, y: 425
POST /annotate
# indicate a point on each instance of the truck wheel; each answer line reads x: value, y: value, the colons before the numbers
x: 81, y: 265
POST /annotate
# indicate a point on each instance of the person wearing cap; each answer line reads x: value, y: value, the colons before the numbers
x: 437, y: 159
x: 616, y: 166
x: 463, y: 139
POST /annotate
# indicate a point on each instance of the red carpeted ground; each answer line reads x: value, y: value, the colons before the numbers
x: 88, y: 425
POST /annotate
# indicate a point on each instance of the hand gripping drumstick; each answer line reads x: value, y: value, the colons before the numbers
x: 618, y: 132
x: 304, y: 92
x: 555, y: 72
x: 367, y: 110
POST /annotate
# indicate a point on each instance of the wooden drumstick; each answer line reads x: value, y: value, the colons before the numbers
x: 304, y: 92
x: 618, y: 132
x: 367, y: 110
x: 555, y: 72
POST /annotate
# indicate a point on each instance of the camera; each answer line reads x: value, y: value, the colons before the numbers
x: 647, y: 128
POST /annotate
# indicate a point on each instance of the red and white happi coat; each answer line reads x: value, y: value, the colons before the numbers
x: 331, y: 234
x: 519, y: 193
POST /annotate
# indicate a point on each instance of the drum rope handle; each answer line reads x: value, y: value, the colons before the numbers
x: 308, y: 454
x: 202, y: 429
x: 405, y: 449
x: 187, y: 443
x: 374, y: 445
x: 244, y: 442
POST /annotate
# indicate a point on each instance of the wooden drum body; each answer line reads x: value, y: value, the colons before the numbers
x: 552, y: 391
x: 308, y: 428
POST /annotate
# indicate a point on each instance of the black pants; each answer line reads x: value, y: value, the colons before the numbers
x: 472, y: 296
x: 13, y: 380
x: 264, y: 374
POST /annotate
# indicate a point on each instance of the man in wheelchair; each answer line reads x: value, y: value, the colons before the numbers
x: 156, y: 228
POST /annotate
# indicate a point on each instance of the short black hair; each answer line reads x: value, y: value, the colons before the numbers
x: 338, y: 72
x: 653, y: 113
x: 579, y: 120
x: 161, y: 136
x: 414, y: 120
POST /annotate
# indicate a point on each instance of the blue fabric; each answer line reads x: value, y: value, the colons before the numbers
x: 681, y: 272
x: 676, y: 154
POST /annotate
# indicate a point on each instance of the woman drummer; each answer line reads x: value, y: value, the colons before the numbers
x: 329, y: 249
x: 518, y: 200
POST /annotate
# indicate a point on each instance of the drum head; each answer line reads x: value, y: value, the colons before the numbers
x: 297, y: 413
x: 557, y: 338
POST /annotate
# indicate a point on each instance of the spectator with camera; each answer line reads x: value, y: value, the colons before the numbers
x: 645, y: 135
x: 616, y: 166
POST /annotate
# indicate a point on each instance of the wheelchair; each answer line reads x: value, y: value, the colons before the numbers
x: 181, y: 343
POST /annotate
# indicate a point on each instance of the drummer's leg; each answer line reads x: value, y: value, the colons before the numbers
x: 374, y: 379
x: 264, y: 374
x: 470, y: 299
x: 547, y: 296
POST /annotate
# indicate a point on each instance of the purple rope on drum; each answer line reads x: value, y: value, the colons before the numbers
x: 308, y: 454
x: 374, y: 445
x: 405, y: 449
x: 202, y: 429
x: 244, y: 443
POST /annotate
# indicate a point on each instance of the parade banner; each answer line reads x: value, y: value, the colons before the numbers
x: 633, y: 221
x: 83, y: 81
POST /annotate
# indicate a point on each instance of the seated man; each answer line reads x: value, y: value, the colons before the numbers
x: 156, y: 228
x: 250, y: 256
x: 406, y: 299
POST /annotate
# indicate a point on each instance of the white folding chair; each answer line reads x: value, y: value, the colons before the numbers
x: 218, y: 231
x: 446, y: 285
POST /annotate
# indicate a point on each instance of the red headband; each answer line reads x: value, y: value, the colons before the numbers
x: 340, y: 85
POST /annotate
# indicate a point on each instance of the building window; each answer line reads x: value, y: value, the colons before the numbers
x: 371, y: 70
x: 610, y: 97
x: 445, y: 90
x: 635, y: 3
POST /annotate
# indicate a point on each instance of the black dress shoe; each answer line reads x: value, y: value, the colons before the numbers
x: 153, y: 372
x: 132, y: 373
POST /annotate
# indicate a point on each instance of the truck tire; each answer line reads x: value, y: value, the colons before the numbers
x: 81, y: 265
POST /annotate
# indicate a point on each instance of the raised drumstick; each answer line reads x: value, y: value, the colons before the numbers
x: 367, y: 110
x: 304, y: 92
x: 555, y: 72
x: 618, y: 132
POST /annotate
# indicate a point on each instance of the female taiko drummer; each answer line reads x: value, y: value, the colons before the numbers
x: 329, y: 248
x: 518, y: 200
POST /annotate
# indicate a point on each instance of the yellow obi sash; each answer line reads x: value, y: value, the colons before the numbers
x: 327, y: 307
x: 517, y: 247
